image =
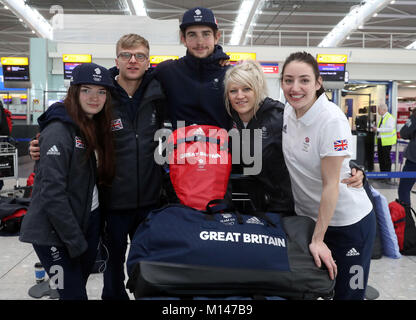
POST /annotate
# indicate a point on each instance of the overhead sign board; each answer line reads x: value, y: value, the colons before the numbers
x: 155, y: 60
x: 237, y: 56
x: 15, y: 61
x: 16, y: 72
x: 332, y: 71
x: 270, y: 67
x: 84, y: 58
x: 71, y: 61
x: 332, y: 58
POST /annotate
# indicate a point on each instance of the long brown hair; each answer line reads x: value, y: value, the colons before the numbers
x: 96, y: 131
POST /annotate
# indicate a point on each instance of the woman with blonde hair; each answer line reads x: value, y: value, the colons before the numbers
x: 247, y: 102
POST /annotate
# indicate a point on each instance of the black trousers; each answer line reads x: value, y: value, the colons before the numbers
x: 352, y: 247
x: 120, y: 225
x: 383, y: 156
x: 74, y: 271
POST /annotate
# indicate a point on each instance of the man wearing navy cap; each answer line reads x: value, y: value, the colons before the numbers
x: 193, y: 84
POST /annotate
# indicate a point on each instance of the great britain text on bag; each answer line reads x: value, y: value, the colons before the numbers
x: 242, y: 237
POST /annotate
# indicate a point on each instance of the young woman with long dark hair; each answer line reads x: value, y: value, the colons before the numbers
x: 77, y: 154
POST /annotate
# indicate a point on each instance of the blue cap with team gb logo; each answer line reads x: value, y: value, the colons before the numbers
x: 198, y: 16
x: 91, y: 73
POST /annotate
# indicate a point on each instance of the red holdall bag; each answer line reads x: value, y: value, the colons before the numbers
x: 199, y: 164
x: 12, y: 223
x: 398, y: 216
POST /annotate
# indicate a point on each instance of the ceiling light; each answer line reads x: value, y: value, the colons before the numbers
x: 392, y: 1
x: 6, y: 7
x: 353, y: 20
x: 243, y: 13
x: 137, y: 7
x: 375, y: 15
x: 31, y: 17
x: 411, y: 46
x: 253, y: 23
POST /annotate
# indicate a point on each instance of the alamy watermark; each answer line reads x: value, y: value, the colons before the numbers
x: 246, y: 146
x: 57, y: 20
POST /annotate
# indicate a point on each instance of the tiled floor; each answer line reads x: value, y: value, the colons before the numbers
x: 395, y: 279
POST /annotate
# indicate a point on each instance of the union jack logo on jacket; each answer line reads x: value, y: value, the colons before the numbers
x: 79, y: 143
x: 341, y: 145
x: 116, y: 125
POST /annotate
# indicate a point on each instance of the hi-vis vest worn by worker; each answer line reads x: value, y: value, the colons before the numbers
x: 387, y: 138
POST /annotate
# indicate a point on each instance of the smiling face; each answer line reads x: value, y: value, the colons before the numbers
x: 200, y: 40
x: 92, y: 99
x: 242, y: 99
x: 299, y: 85
x: 132, y: 69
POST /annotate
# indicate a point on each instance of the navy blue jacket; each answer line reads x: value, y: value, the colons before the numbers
x: 408, y: 131
x: 138, y: 178
x: 194, y: 89
x: 274, y: 179
x: 64, y: 182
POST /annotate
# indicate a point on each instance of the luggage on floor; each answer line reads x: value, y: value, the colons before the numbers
x: 12, y: 211
x: 390, y: 246
x: 404, y: 220
x: 181, y: 251
x: 398, y: 216
x: 409, y: 241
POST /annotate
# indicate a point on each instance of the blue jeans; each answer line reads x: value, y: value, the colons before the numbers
x: 75, y: 270
x: 119, y: 225
x: 352, y: 247
x: 406, y: 184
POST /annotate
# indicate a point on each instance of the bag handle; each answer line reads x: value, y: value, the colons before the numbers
x: 199, y: 138
x: 218, y: 205
x: 221, y: 205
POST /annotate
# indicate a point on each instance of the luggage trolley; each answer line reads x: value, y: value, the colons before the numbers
x: 9, y: 165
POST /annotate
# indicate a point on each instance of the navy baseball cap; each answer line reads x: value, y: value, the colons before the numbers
x: 198, y: 16
x: 91, y: 73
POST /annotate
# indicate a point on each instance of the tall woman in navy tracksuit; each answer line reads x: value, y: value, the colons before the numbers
x: 63, y: 220
x: 246, y: 101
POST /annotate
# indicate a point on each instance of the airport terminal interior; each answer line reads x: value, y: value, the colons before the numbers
x: 366, y: 50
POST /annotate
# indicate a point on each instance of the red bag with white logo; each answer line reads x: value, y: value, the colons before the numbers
x: 199, y: 164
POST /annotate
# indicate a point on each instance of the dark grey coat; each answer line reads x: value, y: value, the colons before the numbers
x: 64, y: 181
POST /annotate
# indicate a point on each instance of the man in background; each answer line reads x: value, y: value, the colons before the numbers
x: 386, y: 137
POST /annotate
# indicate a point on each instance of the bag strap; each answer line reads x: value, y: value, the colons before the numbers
x: 266, y: 218
x: 413, y: 215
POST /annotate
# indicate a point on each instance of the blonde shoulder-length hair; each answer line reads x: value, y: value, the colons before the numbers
x: 248, y: 73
